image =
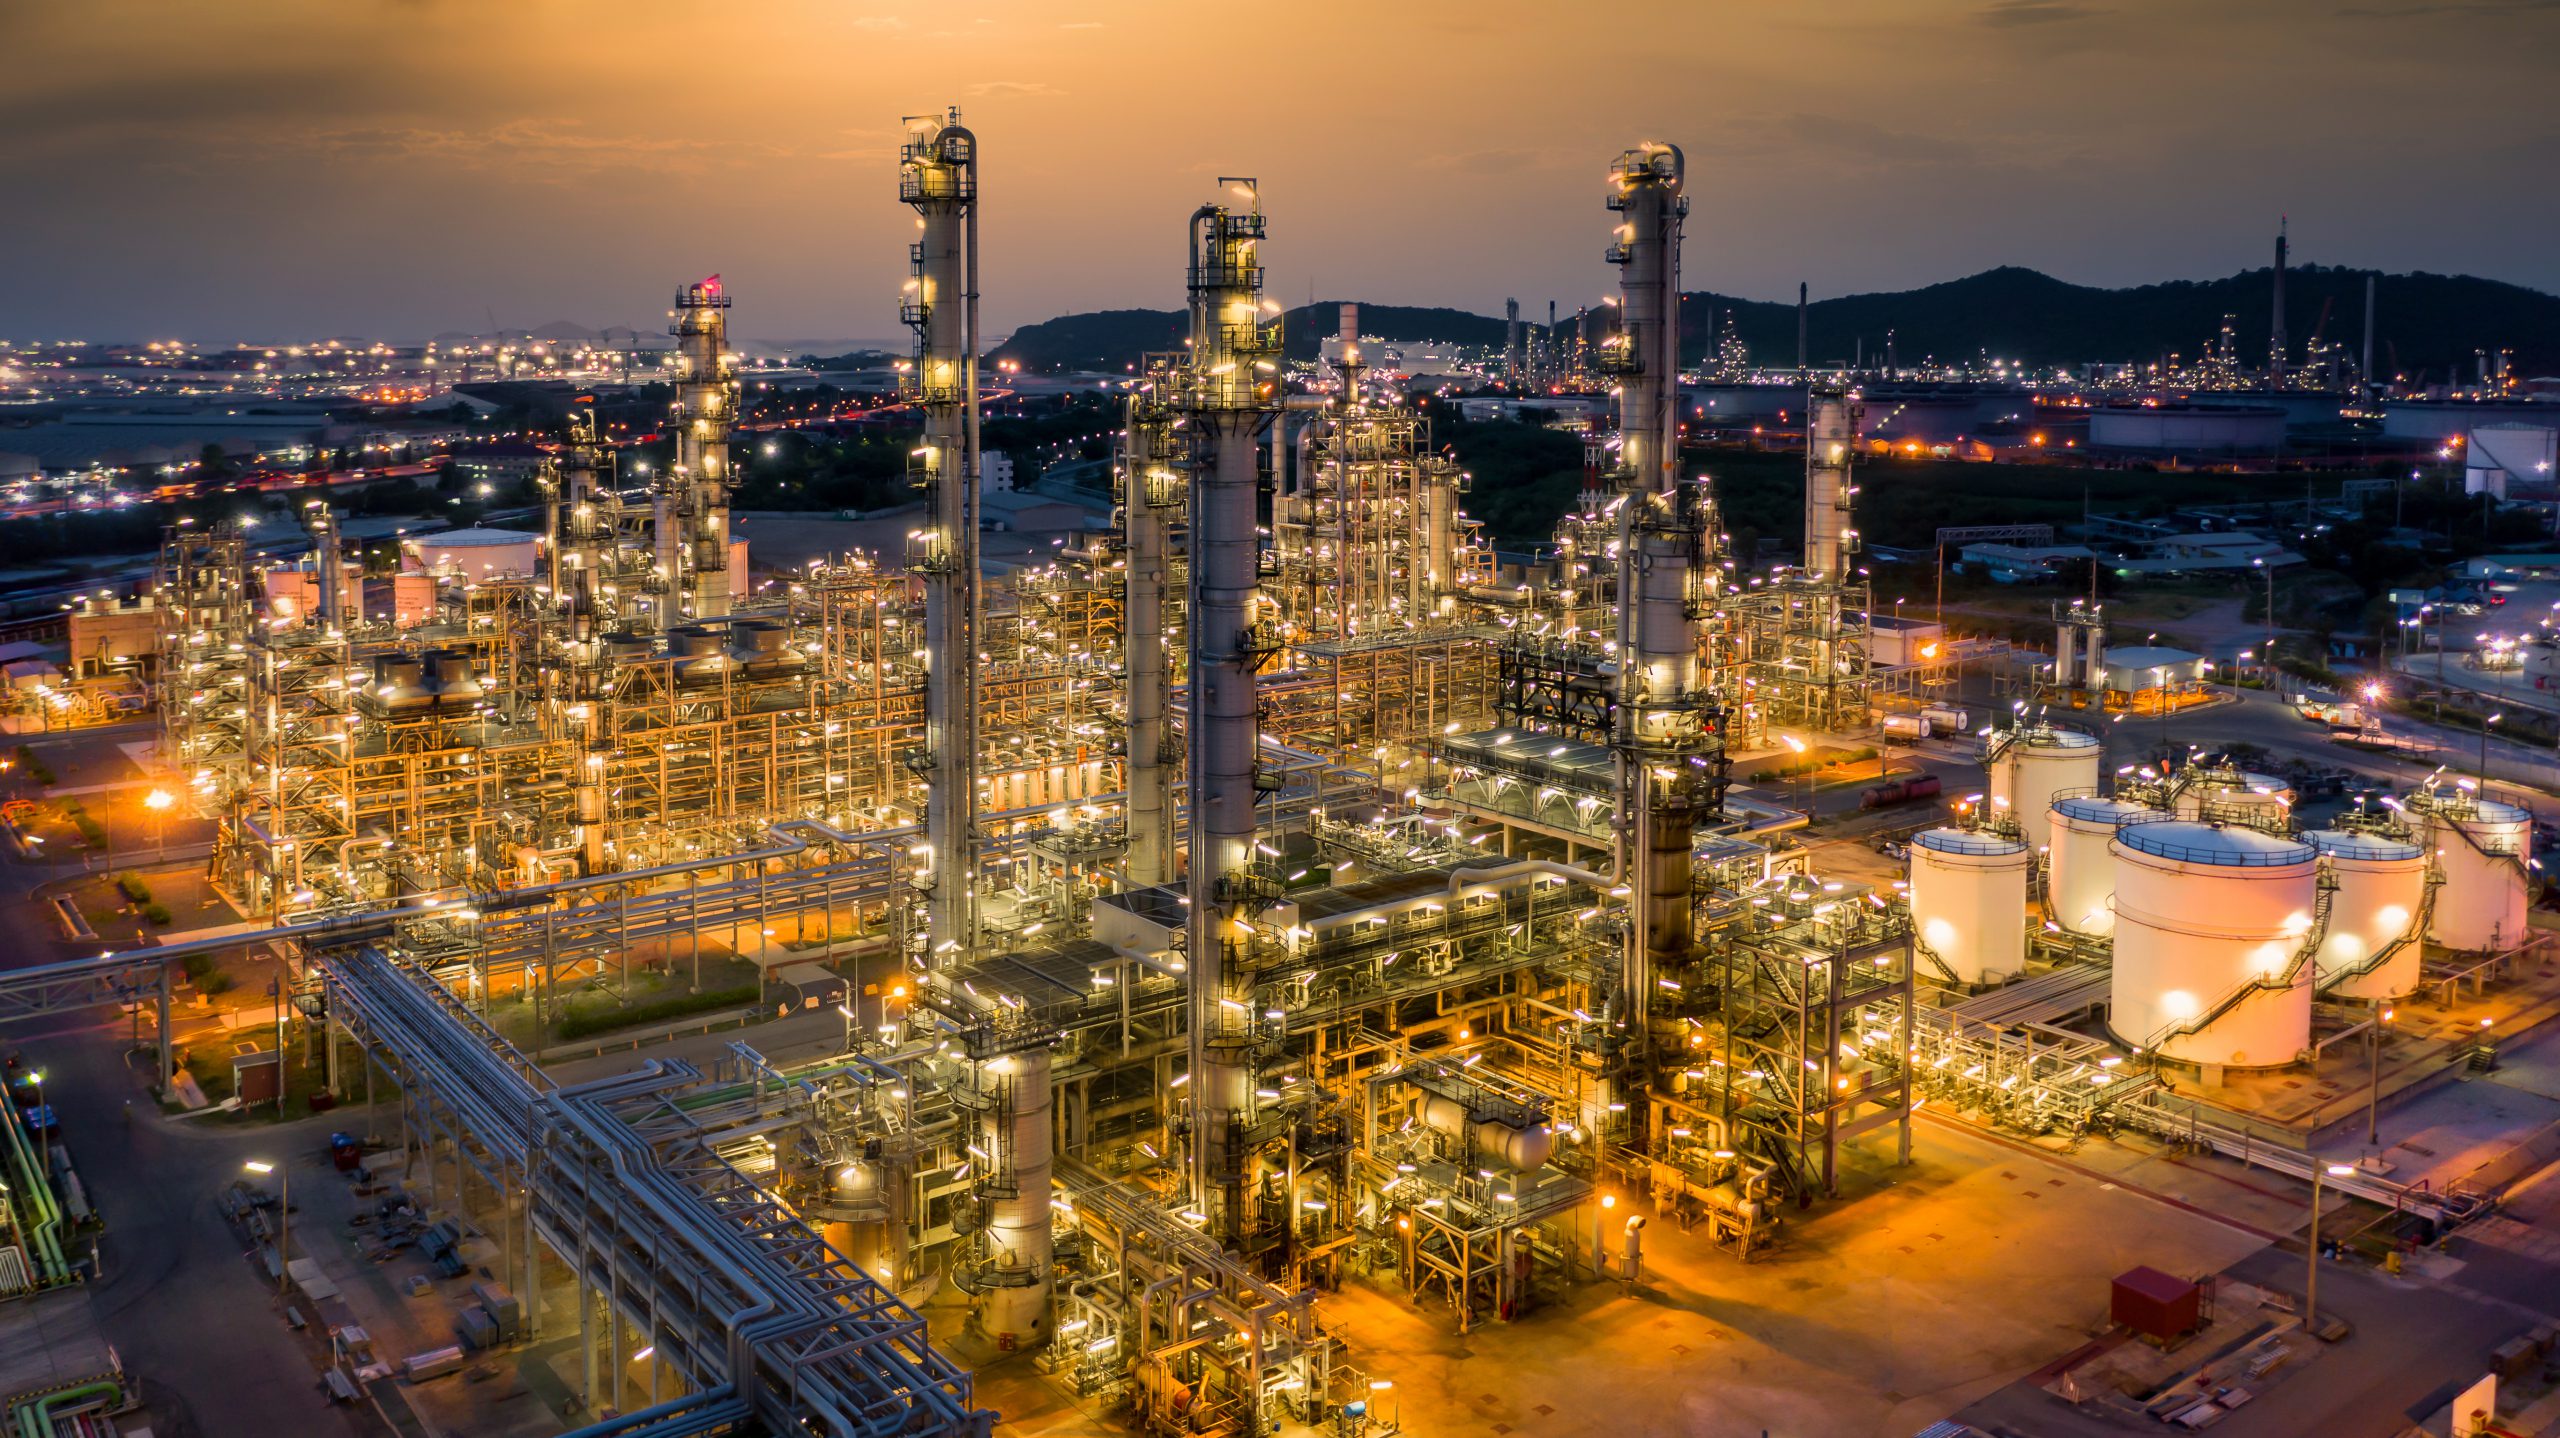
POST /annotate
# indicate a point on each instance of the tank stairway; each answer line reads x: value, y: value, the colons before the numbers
x: 2415, y: 934
x: 2324, y: 901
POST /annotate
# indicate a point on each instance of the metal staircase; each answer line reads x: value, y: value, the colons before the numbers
x: 2322, y: 903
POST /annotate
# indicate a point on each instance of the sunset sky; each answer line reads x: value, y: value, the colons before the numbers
x: 292, y: 168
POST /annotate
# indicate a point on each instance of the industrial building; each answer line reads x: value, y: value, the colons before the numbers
x: 1261, y: 896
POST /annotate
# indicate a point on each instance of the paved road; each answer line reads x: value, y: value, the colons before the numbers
x: 2415, y: 1344
x: 179, y: 1300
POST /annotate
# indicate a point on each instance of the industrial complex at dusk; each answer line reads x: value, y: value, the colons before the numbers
x: 1964, y: 860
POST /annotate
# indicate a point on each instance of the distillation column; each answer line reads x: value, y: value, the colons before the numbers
x: 1828, y: 539
x: 1229, y: 395
x: 695, y: 548
x: 938, y: 175
x: 1015, y: 1137
x: 1149, y: 491
x: 1662, y: 576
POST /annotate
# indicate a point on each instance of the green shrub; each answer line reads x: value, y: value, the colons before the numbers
x: 133, y: 887
x: 157, y: 914
x: 33, y: 767
x: 92, y: 833
x: 197, y: 966
x: 581, y: 1023
x: 217, y: 982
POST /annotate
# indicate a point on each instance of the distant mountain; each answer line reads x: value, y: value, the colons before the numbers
x: 2431, y: 322
x: 2425, y: 323
x: 1115, y: 339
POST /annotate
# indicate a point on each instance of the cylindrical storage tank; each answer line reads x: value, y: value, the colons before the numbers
x: 2381, y: 883
x: 2482, y: 846
x: 1969, y: 900
x: 2038, y: 763
x: 2066, y: 655
x: 2080, y: 869
x: 2205, y: 914
x: 2235, y: 798
x: 1524, y: 1149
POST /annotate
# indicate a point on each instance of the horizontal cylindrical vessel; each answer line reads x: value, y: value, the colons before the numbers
x: 2209, y: 921
x: 1524, y: 1149
x: 2080, y: 872
x: 1969, y: 900
x: 2381, y: 882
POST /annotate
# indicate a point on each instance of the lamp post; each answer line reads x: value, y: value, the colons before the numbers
x: 158, y: 802
x: 1600, y: 1237
x: 44, y: 1131
x: 284, y: 1215
x: 2264, y: 568
x: 1804, y: 776
x: 2311, y: 1285
x: 2373, y: 1085
x: 2485, y: 725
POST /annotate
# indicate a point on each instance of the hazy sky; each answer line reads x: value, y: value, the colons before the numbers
x: 276, y: 168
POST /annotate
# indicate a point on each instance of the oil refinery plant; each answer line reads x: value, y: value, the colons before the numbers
x: 1272, y: 890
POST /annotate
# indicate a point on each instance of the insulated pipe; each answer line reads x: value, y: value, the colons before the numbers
x: 1229, y: 401
x: 938, y: 176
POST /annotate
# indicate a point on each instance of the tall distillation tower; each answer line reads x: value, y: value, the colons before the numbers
x: 1663, y: 737
x: 1230, y: 393
x: 692, y: 498
x: 938, y: 175
x: 1152, y: 461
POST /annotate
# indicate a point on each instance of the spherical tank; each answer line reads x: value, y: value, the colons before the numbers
x: 2206, y: 915
x: 2381, y: 882
x: 2038, y: 763
x: 2482, y: 846
x: 2080, y: 876
x: 1969, y: 900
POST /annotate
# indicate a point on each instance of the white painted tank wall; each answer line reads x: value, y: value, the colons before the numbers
x: 2381, y: 882
x: 2080, y: 871
x: 2199, y: 911
x: 2482, y: 903
x: 1969, y: 900
x: 2038, y: 764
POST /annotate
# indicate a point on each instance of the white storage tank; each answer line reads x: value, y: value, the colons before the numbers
x: 2482, y: 845
x: 2205, y: 913
x: 2233, y: 793
x: 2382, y: 881
x: 2029, y: 766
x: 1969, y: 900
x: 2080, y: 870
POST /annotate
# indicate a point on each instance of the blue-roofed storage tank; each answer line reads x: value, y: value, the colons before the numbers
x: 2210, y: 927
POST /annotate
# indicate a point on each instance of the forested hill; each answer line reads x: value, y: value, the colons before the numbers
x: 2430, y: 322
x: 1116, y: 339
x: 2426, y: 323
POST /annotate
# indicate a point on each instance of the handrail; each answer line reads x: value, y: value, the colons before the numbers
x: 2322, y: 903
x: 2415, y: 933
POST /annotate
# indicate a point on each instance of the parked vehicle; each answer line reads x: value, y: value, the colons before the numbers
x: 1900, y: 791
